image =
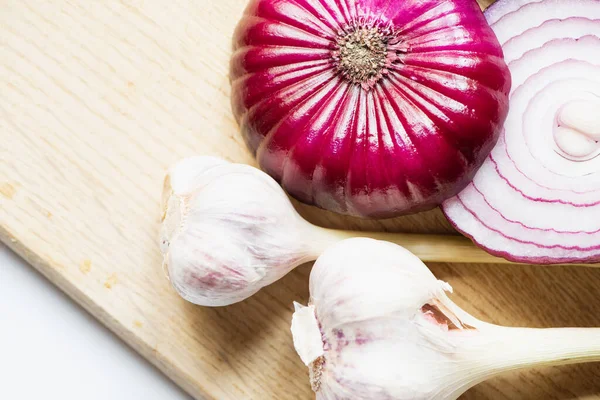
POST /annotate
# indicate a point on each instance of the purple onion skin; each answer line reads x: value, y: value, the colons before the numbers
x: 403, y: 141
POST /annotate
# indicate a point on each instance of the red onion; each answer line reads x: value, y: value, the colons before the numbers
x: 537, y: 197
x: 369, y: 108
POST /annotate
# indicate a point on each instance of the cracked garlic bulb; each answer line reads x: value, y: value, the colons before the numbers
x: 379, y: 326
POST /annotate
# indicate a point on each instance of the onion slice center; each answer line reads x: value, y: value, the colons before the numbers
x: 577, y: 130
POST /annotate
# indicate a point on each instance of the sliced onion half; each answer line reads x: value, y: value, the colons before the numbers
x: 536, y: 199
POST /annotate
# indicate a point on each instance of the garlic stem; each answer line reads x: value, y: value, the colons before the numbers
x: 429, y: 248
x: 497, y: 349
x: 526, y: 347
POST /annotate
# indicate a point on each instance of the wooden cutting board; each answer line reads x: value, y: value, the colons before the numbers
x: 97, y: 99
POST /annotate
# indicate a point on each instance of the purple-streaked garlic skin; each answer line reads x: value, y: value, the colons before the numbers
x: 228, y: 230
x: 536, y: 198
x: 379, y: 326
x: 388, y: 330
x: 372, y: 108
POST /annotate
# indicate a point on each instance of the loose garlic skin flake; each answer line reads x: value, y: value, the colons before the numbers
x: 379, y: 326
x: 228, y: 230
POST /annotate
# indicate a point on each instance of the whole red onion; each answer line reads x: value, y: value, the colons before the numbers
x: 371, y: 108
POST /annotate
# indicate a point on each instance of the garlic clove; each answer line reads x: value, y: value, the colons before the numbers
x: 186, y: 175
x: 179, y: 181
x: 228, y: 230
x: 411, y: 284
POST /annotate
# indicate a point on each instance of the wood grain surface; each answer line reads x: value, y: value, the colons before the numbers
x: 97, y: 99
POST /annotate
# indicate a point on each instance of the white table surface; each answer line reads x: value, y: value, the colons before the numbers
x: 50, y: 348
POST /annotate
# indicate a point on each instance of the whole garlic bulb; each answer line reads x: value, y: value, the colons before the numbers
x: 380, y: 326
x: 228, y: 230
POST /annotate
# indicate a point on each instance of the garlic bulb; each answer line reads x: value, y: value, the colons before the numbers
x: 228, y: 230
x: 380, y: 326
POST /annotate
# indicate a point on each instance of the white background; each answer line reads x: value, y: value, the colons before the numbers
x: 50, y: 348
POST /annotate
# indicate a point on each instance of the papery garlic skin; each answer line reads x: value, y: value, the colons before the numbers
x: 228, y: 230
x: 389, y: 331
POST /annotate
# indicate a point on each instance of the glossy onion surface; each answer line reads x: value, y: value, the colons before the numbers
x: 372, y: 108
